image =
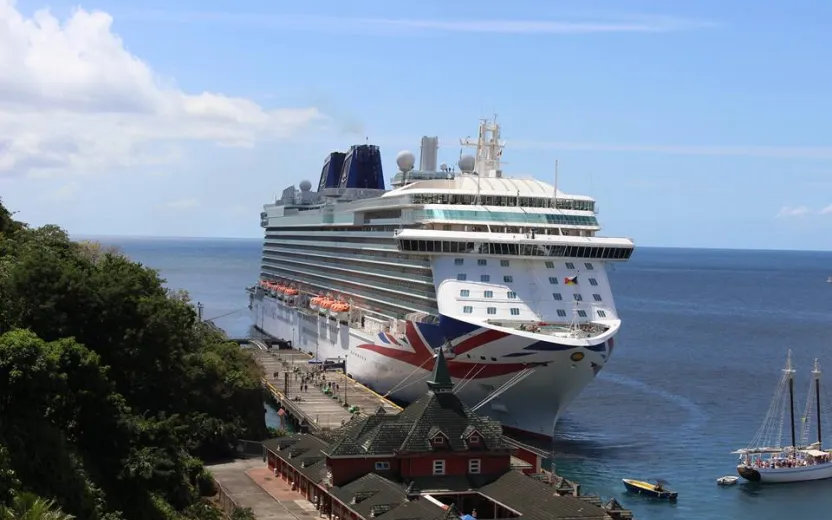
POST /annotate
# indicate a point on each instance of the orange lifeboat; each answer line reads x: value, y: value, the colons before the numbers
x: 340, y: 307
x: 327, y: 303
x: 291, y: 292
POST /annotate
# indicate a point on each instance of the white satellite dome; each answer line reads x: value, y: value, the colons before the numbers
x: 467, y: 163
x: 405, y: 160
x: 305, y: 185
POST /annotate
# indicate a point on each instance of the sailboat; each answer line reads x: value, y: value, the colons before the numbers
x: 765, y: 460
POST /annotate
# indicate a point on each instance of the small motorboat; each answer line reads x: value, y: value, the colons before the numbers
x: 727, y: 480
x: 655, y: 489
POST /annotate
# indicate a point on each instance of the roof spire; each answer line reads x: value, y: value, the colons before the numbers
x: 441, y: 381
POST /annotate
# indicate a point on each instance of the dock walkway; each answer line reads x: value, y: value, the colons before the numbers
x: 321, y: 403
x: 248, y: 484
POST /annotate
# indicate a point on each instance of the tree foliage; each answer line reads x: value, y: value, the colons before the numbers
x: 111, y: 391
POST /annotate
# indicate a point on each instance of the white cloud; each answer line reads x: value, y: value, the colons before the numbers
x: 183, y: 204
x: 73, y: 98
x: 398, y: 26
x: 788, y: 211
x: 826, y: 211
x: 774, y: 152
x: 819, y: 153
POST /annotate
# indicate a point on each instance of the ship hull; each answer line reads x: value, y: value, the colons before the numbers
x: 526, y: 383
x: 785, y: 475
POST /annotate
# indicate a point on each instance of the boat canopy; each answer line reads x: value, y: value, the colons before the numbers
x: 815, y: 453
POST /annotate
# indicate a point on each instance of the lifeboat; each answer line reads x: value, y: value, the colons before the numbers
x: 291, y: 291
x: 339, y: 311
x: 326, y: 303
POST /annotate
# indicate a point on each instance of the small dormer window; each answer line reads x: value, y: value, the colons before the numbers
x: 438, y: 439
x: 474, y: 439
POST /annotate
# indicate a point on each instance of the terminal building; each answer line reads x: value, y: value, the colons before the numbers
x: 434, y: 460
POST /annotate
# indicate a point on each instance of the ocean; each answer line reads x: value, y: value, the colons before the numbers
x: 695, y: 367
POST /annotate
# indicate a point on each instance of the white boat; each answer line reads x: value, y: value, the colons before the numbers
x: 508, y: 275
x: 766, y: 460
x: 727, y: 480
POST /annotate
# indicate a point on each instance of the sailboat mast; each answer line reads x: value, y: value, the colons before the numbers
x: 790, y: 373
x: 791, y: 409
x: 816, y: 375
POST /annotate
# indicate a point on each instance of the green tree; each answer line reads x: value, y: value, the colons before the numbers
x: 27, y: 506
x: 111, y: 391
x: 243, y: 513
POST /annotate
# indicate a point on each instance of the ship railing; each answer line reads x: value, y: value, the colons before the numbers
x: 585, y: 330
x: 346, y: 194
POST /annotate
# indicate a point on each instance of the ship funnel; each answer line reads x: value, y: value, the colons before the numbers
x: 430, y: 151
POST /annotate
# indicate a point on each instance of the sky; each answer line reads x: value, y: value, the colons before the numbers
x: 693, y: 124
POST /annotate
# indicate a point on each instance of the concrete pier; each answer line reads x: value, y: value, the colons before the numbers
x: 316, y: 400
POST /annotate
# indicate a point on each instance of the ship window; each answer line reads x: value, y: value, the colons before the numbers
x: 504, y: 263
x: 582, y: 313
x: 382, y: 465
x: 597, y: 297
x: 557, y: 296
x: 593, y: 281
x: 492, y: 310
x: 553, y: 280
x: 570, y: 265
x: 461, y: 277
x: 508, y: 278
x: 459, y: 261
x: 511, y: 295
x: 464, y: 293
x: 561, y: 313
x: 550, y: 265
x: 588, y: 266
x: 485, y: 278
x: 515, y: 311
x: 578, y: 297
x: 467, y: 309
x: 602, y: 314
x: 482, y: 261
x: 488, y: 294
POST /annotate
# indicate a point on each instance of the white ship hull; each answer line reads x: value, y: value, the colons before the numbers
x: 485, y: 360
x: 784, y: 475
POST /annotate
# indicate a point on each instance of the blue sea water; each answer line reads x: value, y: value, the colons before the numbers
x: 695, y: 366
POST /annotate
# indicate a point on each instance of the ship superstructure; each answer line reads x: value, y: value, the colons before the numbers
x: 506, y: 275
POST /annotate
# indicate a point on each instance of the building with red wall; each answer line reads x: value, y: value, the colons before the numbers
x: 435, y: 459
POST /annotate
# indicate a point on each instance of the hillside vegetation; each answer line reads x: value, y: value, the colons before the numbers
x: 111, y: 392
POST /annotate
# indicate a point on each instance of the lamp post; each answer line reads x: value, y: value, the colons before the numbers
x: 346, y: 381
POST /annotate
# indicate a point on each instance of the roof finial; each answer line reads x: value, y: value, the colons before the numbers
x: 441, y: 381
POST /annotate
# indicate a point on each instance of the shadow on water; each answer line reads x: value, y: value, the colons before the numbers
x: 565, y: 448
x: 793, y: 490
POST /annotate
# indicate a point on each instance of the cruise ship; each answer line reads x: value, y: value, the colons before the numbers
x: 506, y: 275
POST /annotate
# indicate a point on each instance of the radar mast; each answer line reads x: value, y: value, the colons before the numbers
x: 489, y: 148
